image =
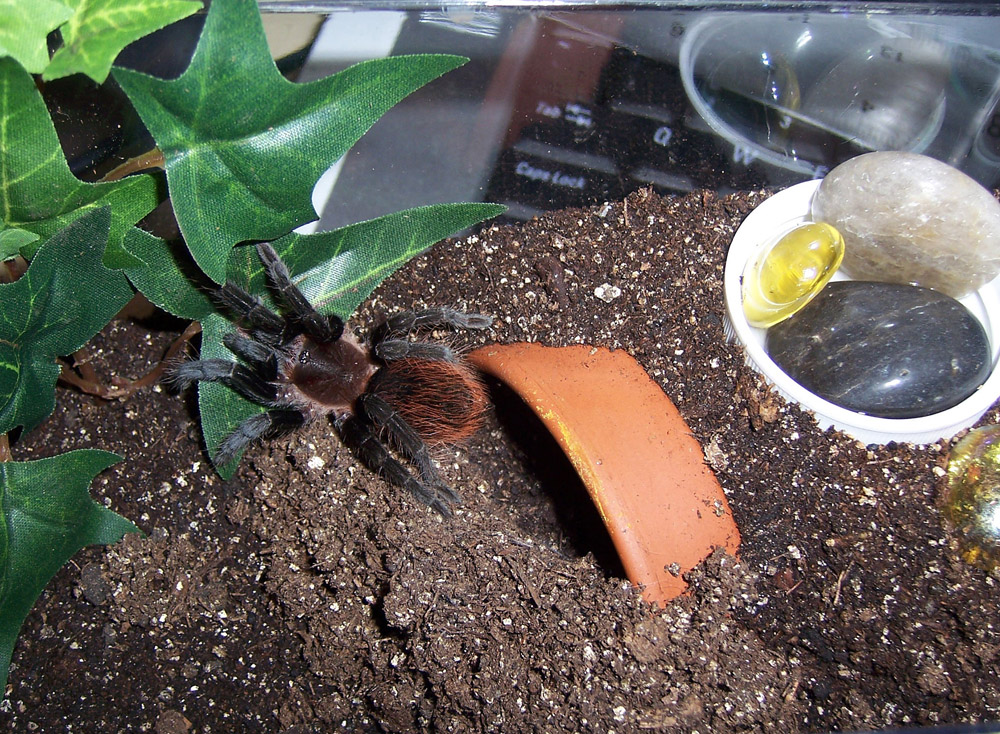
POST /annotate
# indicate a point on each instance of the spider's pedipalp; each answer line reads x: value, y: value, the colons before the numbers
x: 321, y: 328
x: 431, y: 318
x: 358, y: 436
x: 394, y: 349
x: 231, y: 374
x: 273, y: 423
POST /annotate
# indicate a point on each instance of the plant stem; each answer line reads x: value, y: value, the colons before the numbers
x: 143, y: 162
x: 4, y: 448
x: 13, y: 269
x: 88, y: 382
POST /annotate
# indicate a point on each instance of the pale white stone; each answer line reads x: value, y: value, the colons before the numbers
x: 907, y: 218
x: 607, y: 292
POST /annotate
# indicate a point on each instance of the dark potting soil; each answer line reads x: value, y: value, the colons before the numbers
x: 305, y: 595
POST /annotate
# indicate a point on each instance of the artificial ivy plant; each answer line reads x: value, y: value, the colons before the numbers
x: 241, y: 148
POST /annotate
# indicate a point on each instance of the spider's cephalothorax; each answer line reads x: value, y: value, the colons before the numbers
x: 304, y: 365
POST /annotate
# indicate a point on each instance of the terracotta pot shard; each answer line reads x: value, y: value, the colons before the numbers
x: 662, y: 505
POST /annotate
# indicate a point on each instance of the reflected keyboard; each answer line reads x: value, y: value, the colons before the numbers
x: 638, y: 130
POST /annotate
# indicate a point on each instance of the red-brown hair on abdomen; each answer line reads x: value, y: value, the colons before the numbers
x: 442, y: 401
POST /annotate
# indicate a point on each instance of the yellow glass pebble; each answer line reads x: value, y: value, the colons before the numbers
x: 972, y: 499
x: 782, y: 278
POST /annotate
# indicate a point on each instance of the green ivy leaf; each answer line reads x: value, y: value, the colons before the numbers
x: 24, y: 27
x: 48, y: 516
x: 167, y: 276
x: 336, y: 271
x: 243, y: 146
x: 220, y: 408
x: 12, y: 241
x: 100, y: 29
x: 38, y: 192
x: 64, y: 298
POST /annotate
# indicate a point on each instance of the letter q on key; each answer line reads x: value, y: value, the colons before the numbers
x: 663, y: 135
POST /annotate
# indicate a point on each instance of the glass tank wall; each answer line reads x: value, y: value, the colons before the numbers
x: 573, y: 104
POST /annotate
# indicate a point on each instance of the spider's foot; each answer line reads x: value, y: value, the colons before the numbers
x: 473, y: 320
x: 437, y: 495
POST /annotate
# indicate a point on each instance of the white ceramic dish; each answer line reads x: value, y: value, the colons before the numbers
x: 783, y: 211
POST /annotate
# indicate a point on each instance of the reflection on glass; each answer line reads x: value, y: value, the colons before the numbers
x: 972, y: 499
x: 813, y: 93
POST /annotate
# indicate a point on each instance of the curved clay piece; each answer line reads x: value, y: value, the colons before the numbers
x: 642, y: 467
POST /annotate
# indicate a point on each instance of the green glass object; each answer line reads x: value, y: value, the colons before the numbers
x: 972, y: 500
x: 784, y: 277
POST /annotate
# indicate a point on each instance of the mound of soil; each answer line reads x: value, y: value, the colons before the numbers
x: 305, y: 595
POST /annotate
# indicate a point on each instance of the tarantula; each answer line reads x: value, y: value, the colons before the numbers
x: 304, y: 365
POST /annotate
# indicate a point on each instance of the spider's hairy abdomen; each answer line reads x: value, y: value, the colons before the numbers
x: 442, y: 401
x: 332, y: 374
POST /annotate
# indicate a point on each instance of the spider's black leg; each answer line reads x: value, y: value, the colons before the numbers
x: 388, y: 347
x: 431, y: 318
x: 262, y: 321
x: 408, y: 441
x: 270, y: 424
x: 359, y: 435
x: 263, y: 358
x: 231, y: 374
x: 322, y: 328
x: 392, y: 349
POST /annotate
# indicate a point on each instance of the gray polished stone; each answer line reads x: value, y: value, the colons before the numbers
x: 887, y: 350
x: 907, y: 218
